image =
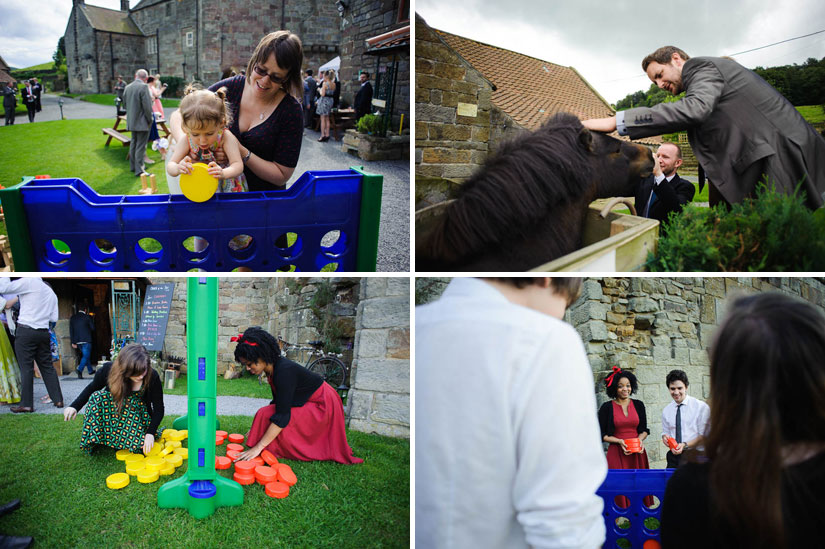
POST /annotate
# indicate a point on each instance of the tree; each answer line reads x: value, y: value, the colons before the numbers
x: 59, y: 57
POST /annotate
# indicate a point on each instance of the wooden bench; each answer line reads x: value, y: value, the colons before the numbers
x: 114, y: 134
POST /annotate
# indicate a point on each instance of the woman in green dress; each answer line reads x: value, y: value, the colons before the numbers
x: 9, y: 370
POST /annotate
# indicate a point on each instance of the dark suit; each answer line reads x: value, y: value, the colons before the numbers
x: 81, y: 333
x: 38, y: 90
x: 739, y: 128
x: 363, y: 100
x: 139, y: 118
x: 671, y: 196
x: 310, y: 89
x: 9, y: 102
x: 30, y: 100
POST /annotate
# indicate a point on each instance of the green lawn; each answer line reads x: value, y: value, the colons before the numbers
x: 815, y: 114
x: 109, y: 99
x: 65, y: 501
x: 246, y: 385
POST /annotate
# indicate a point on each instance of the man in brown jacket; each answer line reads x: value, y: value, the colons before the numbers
x: 738, y: 125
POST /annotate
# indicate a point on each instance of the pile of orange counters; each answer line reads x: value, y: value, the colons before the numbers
x: 245, y: 467
x: 277, y: 490
x: 220, y: 437
x: 236, y: 438
x: 117, y: 481
x: 241, y: 478
x: 269, y: 457
x: 235, y: 447
x: 222, y: 462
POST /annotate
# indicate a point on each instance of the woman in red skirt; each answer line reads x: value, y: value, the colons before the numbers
x: 307, y: 420
x: 623, y: 418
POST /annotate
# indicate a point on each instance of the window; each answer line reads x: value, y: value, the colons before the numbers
x: 169, y: 9
x: 403, y: 11
x: 190, y: 39
x: 152, y: 45
x: 88, y: 72
x: 153, y: 70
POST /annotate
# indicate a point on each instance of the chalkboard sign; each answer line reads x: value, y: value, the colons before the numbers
x: 156, y: 305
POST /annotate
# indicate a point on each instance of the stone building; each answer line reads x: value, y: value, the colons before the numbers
x: 651, y: 326
x: 191, y: 39
x: 365, y: 19
x: 470, y: 95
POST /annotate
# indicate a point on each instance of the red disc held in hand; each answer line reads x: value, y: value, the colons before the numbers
x: 236, y: 438
x: 285, y: 474
x: 269, y: 457
x: 276, y: 490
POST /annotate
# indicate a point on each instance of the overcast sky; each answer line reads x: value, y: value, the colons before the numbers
x: 605, y: 41
x: 31, y: 28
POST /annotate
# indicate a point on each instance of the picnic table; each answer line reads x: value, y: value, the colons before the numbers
x: 115, y: 133
x: 340, y: 120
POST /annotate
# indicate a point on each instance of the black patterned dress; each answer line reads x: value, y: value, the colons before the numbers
x: 103, y: 425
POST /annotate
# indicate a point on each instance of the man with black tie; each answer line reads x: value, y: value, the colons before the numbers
x: 363, y: 99
x: 664, y: 191
x: 29, y: 99
x: 685, y: 419
x: 38, y: 91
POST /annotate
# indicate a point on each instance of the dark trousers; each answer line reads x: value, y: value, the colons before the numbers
x: 10, y: 115
x: 673, y: 460
x: 137, y: 151
x: 308, y: 111
x: 30, y: 107
x: 33, y: 345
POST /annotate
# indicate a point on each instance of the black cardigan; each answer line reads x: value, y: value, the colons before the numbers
x: 152, y: 396
x: 606, y: 418
x: 291, y: 385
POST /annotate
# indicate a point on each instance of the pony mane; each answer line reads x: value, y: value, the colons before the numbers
x: 517, y: 186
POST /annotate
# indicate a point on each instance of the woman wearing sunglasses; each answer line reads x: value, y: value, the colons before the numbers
x: 267, y: 116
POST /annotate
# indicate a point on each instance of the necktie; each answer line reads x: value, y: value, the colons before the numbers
x: 678, y: 423
x: 650, y: 201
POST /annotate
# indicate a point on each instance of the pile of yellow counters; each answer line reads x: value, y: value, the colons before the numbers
x: 162, y: 459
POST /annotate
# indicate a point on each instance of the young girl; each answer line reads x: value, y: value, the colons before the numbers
x: 125, y: 403
x: 205, y: 117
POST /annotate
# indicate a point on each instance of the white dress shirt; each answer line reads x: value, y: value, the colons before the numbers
x: 38, y: 303
x: 695, y: 419
x: 507, y: 449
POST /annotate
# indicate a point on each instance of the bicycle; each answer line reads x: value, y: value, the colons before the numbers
x: 328, y: 365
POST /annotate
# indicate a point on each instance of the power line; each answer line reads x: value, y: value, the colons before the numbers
x: 775, y: 43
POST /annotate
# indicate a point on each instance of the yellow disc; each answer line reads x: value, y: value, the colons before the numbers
x: 185, y: 433
x: 167, y: 469
x: 147, y: 476
x: 175, y: 459
x: 173, y: 444
x: 122, y: 454
x: 134, y: 458
x: 167, y: 433
x: 177, y: 436
x: 117, y: 481
x: 156, y: 449
x: 198, y: 186
x: 134, y: 467
x: 155, y: 463
x: 182, y: 452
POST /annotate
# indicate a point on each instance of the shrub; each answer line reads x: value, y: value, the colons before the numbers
x: 175, y: 86
x: 771, y: 232
x: 369, y: 123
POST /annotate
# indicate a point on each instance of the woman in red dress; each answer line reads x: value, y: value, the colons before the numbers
x: 620, y: 419
x: 306, y: 422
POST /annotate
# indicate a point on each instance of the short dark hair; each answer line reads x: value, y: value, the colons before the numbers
x: 308, y: 72
x: 663, y: 56
x: 676, y: 375
x: 257, y: 344
x: 568, y: 287
x: 612, y: 390
x: 289, y: 54
x: 365, y: 73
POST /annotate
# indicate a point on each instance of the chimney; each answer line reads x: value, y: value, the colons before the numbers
x: 77, y: 2
x: 124, y: 5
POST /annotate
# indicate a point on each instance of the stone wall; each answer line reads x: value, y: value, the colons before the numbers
x: 651, y: 326
x: 379, y: 400
x: 448, y: 144
x: 365, y: 19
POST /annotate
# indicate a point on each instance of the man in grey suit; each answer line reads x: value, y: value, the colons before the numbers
x: 138, y: 101
x: 738, y: 126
